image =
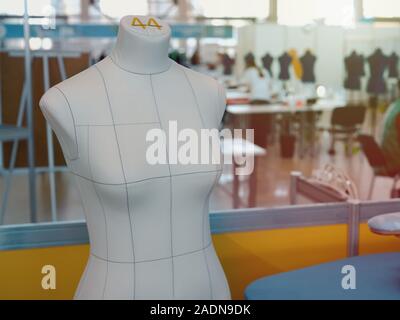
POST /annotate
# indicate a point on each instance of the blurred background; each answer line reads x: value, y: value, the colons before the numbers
x: 317, y: 80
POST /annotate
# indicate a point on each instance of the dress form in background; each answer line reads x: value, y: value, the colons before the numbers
x: 378, y: 63
x: 354, y: 64
x: 284, y: 61
x: 393, y: 65
x: 267, y: 60
x: 148, y: 224
x: 228, y: 64
x: 308, y: 62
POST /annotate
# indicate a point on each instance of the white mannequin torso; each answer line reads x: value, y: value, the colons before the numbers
x: 148, y: 224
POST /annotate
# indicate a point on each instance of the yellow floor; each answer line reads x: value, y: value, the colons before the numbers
x: 245, y: 257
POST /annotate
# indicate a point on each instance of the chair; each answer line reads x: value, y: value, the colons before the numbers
x: 345, y: 125
x: 376, y: 160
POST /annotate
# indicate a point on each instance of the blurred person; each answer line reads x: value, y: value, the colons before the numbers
x: 390, y: 136
x: 258, y: 84
x: 257, y: 81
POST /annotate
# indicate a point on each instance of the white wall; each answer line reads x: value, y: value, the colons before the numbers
x: 330, y: 44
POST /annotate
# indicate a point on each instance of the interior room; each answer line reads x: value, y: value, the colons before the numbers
x: 304, y: 100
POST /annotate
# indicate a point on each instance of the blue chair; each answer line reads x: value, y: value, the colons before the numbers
x: 377, y: 276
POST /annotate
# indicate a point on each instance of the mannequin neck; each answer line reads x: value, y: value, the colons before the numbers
x: 142, y: 51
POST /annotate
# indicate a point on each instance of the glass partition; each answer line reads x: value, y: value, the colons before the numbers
x: 292, y: 118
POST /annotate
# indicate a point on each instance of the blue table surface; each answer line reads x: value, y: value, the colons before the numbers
x: 377, y: 278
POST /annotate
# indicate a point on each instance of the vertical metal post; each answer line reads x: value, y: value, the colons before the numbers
x: 85, y: 9
x: 29, y: 116
x: 50, y: 145
x: 183, y: 16
x: 61, y: 67
x: 358, y: 10
x: 1, y: 118
x: 273, y: 11
x: 353, y: 229
x: 294, y: 176
x: 13, y: 157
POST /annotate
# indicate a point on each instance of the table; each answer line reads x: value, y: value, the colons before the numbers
x: 281, y: 108
x: 237, y: 146
x: 376, y: 278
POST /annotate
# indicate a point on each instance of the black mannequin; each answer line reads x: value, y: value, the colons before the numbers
x: 378, y: 63
x: 308, y: 62
x: 284, y: 61
x: 267, y: 60
x: 228, y: 63
x: 393, y: 65
x: 354, y: 64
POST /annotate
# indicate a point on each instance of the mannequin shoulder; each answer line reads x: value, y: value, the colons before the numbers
x: 85, y: 82
x: 209, y: 93
x: 60, y: 104
x: 200, y: 80
x: 84, y: 95
x: 58, y: 114
x: 73, y: 86
x: 54, y: 103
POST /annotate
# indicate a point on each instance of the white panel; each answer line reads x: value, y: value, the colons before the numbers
x: 246, y: 43
x: 359, y: 39
x: 329, y: 67
x: 270, y: 39
x: 302, y: 39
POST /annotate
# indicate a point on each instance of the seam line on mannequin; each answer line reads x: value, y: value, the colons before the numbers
x: 143, y: 180
x: 206, y: 201
x: 73, y: 120
x: 102, y: 208
x: 172, y: 244
x: 217, y: 107
x: 55, y: 127
x: 116, y: 124
x: 195, y: 98
x: 138, y: 73
x: 151, y: 260
x: 170, y: 187
x: 123, y: 173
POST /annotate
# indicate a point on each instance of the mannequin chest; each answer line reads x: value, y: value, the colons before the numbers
x: 135, y: 128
